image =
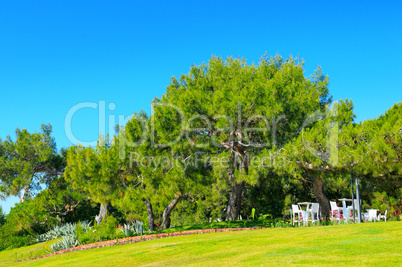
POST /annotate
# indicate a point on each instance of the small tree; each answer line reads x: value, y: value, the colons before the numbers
x: 96, y: 172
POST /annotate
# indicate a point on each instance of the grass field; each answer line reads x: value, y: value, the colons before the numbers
x: 363, y: 244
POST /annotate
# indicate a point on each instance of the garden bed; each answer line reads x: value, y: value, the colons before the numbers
x: 137, y: 239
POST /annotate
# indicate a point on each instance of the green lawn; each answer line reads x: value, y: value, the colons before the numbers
x: 363, y: 244
x: 8, y: 257
x: 224, y: 224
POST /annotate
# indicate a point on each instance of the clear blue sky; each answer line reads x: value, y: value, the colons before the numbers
x: 55, y: 55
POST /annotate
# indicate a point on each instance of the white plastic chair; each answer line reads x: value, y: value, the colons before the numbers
x: 298, y: 211
x: 382, y: 216
x: 372, y: 215
x: 315, y: 212
x: 335, y: 208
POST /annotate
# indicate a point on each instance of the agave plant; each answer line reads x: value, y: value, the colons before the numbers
x: 58, y: 231
x: 138, y: 227
x: 135, y: 228
x: 126, y: 230
x: 65, y: 243
x: 86, y: 226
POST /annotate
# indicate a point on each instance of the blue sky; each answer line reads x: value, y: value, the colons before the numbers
x: 57, y: 54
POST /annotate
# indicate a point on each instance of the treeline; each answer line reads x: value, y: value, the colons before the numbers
x: 225, y: 138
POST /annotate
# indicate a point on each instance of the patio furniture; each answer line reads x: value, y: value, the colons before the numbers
x: 335, y: 210
x: 372, y: 215
x: 382, y: 216
x: 305, y: 213
x: 298, y: 211
x: 365, y: 216
x: 315, y: 212
x: 347, y: 210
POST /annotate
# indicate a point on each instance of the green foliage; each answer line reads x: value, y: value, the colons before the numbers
x: 264, y: 216
x: 29, y: 217
x: 38, y: 216
x: 64, y: 203
x: 66, y: 242
x: 382, y: 202
x: 95, y: 171
x: 316, y: 148
x: 2, y: 217
x: 106, y: 230
x: 216, y: 108
x: 136, y: 228
x: 199, y: 144
x: 21, y: 225
x: 11, y: 239
x: 154, y: 174
x: 268, y: 195
x: 58, y: 231
x: 28, y: 161
x: 85, y: 226
x: 27, y: 220
x: 197, y: 208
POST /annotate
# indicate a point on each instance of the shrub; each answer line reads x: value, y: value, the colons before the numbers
x: 9, y: 238
x: 104, y: 231
x: 2, y: 217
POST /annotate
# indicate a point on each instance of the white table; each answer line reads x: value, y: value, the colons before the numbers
x: 306, y: 211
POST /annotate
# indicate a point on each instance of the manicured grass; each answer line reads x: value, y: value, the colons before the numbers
x: 350, y: 244
x: 224, y: 224
x: 8, y: 257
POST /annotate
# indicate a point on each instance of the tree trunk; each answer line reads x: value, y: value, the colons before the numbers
x: 167, y: 211
x: 234, y: 204
x: 102, y: 213
x: 150, y: 215
x: 318, y: 189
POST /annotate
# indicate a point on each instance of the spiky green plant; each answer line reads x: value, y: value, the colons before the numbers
x: 127, y: 230
x: 59, y: 231
x: 137, y: 228
x: 86, y: 226
x: 65, y: 243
